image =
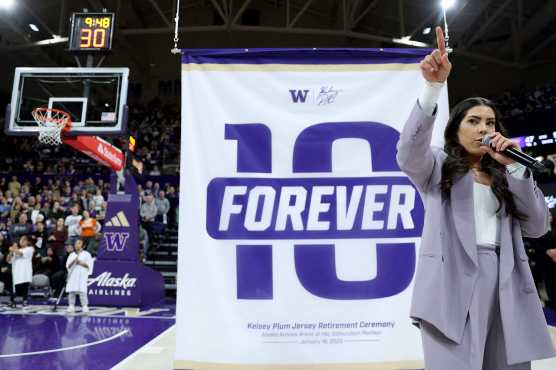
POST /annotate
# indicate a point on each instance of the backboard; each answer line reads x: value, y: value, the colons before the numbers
x: 95, y: 98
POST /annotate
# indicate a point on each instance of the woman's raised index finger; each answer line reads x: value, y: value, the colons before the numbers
x: 440, y: 40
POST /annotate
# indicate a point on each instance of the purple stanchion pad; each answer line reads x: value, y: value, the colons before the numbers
x: 122, y: 283
x: 118, y: 278
x: 121, y: 229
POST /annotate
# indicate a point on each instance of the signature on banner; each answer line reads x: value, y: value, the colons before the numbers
x: 327, y: 95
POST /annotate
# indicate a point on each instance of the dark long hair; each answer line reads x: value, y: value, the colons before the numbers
x: 457, y: 164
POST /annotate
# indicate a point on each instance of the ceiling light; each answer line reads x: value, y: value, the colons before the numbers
x: 447, y: 4
x: 7, y: 4
x: 33, y: 27
x: 406, y: 40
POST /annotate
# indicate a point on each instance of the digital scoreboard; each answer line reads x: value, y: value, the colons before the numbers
x: 91, y: 32
x: 536, y: 140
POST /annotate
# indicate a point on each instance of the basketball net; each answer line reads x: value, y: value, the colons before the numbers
x: 53, y: 123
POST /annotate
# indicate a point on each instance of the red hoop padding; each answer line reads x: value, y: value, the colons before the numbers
x: 98, y: 149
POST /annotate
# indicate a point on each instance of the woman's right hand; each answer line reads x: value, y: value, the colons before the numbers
x: 436, y: 66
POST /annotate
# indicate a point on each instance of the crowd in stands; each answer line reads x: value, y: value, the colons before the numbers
x: 46, y: 218
x: 522, y: 101
x: 542, y: 259
x: 158, y: 132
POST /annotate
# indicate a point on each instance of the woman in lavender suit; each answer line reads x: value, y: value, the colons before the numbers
x: 474, y: 297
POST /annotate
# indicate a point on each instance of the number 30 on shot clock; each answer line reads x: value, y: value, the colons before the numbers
x: 91, y: 32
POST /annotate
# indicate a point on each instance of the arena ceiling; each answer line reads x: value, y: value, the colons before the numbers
x: 512, y: 34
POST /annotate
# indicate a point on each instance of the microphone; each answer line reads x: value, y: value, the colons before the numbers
x: 518, y: 156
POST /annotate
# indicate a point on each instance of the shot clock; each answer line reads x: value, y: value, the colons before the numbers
x: 91, y: 32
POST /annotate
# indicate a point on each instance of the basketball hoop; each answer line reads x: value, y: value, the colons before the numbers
x: 51, y: 123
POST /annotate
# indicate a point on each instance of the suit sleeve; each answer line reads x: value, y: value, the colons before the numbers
x: 529, y: 200
x: 415, y: 156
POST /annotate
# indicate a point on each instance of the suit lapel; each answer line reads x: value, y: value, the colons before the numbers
x: 506, y: 248
x: 461, y: 200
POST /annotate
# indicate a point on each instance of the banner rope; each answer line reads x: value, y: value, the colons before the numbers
x: 175, y: 50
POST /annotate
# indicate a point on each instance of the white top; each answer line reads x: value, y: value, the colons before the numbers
x: 99, y: 199
x: 429, y: 96
x: 22, y: 266
x: 78, y: 275
x: 72, y: 222
x: 34, y: 215
x: 487, y: 221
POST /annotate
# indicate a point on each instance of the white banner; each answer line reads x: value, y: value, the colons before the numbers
x: 298, y: 233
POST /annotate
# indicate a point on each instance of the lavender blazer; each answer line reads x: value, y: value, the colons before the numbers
x: 447, y: 268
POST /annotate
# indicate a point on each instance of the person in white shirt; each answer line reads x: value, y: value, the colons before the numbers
x: 98, y: 199
x: 72, y: 223
x: 163, y: 206
x: 80, y: 266
x: 21, y: 258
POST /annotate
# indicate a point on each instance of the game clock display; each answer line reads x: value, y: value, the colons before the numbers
x: 91, y: 31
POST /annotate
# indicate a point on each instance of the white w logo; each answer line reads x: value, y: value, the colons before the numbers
x: 115, y: 241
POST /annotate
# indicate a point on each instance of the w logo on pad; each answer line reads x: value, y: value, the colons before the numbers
x: 115, y: 241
